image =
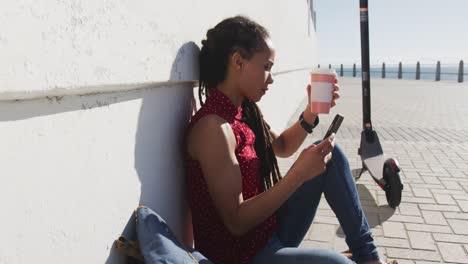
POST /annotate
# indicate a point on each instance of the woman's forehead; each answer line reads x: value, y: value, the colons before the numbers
x: 269, y: 52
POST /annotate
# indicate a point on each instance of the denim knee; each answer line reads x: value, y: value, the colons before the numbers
x: 337, y: 153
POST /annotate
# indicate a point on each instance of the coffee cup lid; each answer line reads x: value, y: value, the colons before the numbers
x: 323, y: 71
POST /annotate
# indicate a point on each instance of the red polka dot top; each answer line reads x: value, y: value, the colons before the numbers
x: 211, y: 236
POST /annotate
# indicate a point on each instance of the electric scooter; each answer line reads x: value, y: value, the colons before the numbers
x: 370, y: 150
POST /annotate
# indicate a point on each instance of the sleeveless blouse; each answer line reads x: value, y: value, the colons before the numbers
x: 211, y: 236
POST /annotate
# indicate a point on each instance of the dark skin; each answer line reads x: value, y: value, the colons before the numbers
x: 250, y: 78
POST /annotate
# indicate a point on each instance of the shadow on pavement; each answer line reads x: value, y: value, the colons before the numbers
x: 376, y: 214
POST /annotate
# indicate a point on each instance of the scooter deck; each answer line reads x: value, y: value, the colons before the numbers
x: 375, y: 166
x: 371, y: 154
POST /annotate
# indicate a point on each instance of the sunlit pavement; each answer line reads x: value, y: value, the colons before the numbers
x: 424, y: 125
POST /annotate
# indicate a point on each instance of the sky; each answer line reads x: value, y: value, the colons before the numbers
x: 400, y: 30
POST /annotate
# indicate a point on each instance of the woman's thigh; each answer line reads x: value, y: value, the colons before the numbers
x: 296, y: 214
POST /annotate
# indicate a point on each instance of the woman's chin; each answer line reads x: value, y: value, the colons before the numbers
x: 256, y: 99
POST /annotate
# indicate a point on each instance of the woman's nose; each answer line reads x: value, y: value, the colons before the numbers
x: 270, y: 78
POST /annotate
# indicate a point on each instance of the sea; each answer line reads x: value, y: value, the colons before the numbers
x: 448, y: 72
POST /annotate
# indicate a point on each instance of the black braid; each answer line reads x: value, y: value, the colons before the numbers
x: 263, y: 147
x: 238, y: 34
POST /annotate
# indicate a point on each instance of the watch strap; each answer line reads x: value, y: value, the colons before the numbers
x: 309, y: 128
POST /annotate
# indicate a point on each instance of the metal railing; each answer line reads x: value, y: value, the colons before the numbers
x: 421, y: 71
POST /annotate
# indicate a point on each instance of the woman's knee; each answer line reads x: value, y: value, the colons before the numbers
x: 338, y: 153
x: 306, y: 256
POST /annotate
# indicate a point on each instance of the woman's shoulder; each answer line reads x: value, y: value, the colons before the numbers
x: 210, y: 129
x: 208, y: 123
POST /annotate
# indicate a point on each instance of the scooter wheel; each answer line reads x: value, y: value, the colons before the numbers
x: 393, y: 183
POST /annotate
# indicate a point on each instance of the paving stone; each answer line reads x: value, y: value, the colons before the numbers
x: 409, y: 209
x: 413, y: 254
x: 421, y: 240
x: 422, y: 192
x: 324, y: 205
x: 452, y: 185
x: 459, y: 227
x: 451, y: 238
x: 418, y: 200
x: 322, y: 232
x: 434, y: 218
x: 406, y: 219
x: 394, y: 229
x: 404, y: 261
x: 463, y: 204
x: 450, y: 215
x: 326, y: 220
x: 324, y: 212
x: 443, y: 208
x: 377, y: 232
x: 382, y: 253
x: 444, y: 199
x: 443, y: 191
x: 431, y: 180
x: 429, y: 186
x: 452, y: 252
x: 429, y: 228
x: 392, y: 242
x: 340, y: 244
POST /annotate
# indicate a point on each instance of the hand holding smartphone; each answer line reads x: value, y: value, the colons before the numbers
x: 334, y: 125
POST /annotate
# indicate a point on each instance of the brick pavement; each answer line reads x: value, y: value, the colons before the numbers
x: 424, y: 124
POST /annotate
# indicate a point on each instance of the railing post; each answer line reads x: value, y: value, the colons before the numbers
x: 437, y: 77
x: 418, y: 71
x: 341, y: 70
x: 400, y: 70
x: 354, y: 70
x: 383, y: 70
x: 460, y: 72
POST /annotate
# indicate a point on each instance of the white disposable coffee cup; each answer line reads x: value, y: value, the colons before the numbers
x: 321, y: 92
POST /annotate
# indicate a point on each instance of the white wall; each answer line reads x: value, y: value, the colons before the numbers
x: 80, y: 146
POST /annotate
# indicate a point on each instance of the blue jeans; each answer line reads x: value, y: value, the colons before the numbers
x: 158, y: 245
x: 296, y: 215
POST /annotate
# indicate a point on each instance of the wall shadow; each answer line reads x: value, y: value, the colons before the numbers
x: 159, y: 160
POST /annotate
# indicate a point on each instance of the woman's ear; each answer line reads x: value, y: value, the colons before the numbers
x: 237, y: 61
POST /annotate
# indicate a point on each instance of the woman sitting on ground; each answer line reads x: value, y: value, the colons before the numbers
x: 243, y: 211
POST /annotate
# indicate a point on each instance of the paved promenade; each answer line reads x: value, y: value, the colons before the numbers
x: 424, y: 124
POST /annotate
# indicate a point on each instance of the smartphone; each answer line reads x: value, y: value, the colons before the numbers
x: 334, y: 125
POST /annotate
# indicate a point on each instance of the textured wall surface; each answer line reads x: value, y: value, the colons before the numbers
x: 76, y: 44
x: 80, y: 145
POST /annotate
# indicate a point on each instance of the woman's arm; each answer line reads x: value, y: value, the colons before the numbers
x: 212, y: 143
x: 291, y: 139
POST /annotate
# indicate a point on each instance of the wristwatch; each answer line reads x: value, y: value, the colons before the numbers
x: 308, y: 127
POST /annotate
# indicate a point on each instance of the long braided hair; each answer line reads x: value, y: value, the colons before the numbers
x: 239, y: 34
